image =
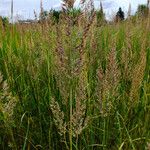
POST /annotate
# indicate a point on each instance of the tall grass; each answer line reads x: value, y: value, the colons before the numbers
x: 75, y: 86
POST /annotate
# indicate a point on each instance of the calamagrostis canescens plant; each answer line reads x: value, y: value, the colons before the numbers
x: 7, y: 105
x: 108, y: 82
x: 7, y: 100
x: 72, y: 80
x: 138, y: 74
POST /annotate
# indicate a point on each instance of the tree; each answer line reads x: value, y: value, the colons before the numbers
x: 55, y: 15
x: 142, y: 10
x: 120, y: 15
x: 4, y: 20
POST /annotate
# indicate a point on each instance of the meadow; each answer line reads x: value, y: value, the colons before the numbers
x: 82, y: 86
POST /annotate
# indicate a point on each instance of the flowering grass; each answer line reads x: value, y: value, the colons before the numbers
x: 76, y: 87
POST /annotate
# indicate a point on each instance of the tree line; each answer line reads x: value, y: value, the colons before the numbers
x: 142, y: 12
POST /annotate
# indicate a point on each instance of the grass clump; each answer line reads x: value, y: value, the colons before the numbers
x: 75, y: 86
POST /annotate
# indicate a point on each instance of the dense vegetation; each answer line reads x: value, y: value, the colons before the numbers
x: 81, y: 86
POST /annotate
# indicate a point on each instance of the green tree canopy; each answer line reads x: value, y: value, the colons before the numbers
x: 4, y: 20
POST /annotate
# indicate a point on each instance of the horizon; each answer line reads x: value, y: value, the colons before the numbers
x: 24, y: 9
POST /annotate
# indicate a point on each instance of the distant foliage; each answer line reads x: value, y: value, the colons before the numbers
x: 142, y: 10
x: 74, y: 13
x: 4, y: 20
x: 43, y: 15
x: 55, y: 15
x: 120, y: 15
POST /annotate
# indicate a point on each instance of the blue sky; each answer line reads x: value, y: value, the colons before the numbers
x: 25, y: 8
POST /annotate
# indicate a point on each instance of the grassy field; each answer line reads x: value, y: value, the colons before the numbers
x: 81, y: 87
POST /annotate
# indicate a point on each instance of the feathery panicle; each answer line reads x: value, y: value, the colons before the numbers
x: 41, y: 6
x: 112, y: 74
x: 85, y: 35
x: 68, y: 4
x: 138, y: 74
x: 59, y: 49
x: 58, y: 116
x: 8, y: 101
x: 108, y: 83
x: 79, y: 120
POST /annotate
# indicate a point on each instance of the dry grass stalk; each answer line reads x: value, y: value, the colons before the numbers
x: 100, y: 76
x: 82, y: 61
x: 35, y: 15
x: 112, y: 74
x: 81, y: 47
x: 108, y: 82
x: 12, y: 10
x: 101, y: 93
x: 78, y: 120
x: 59, y: 48
x: 58, y: 116
x: 8, y: 101
x: 62, y: 58
x: 138, y: 74
x: 68, y: 4
x: 127, y: 61
x: 129, y: 11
